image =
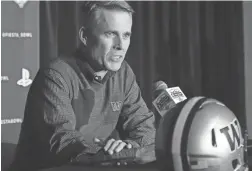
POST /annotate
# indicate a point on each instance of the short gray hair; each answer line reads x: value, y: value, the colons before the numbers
x: 89, y: 7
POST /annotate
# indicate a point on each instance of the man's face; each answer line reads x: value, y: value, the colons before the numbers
x: 109, y: 38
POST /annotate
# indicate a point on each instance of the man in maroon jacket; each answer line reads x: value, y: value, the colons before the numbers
x: 75, y: 103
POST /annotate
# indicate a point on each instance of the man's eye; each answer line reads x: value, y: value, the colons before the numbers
x: 109, y: 34
x: 127, y: 35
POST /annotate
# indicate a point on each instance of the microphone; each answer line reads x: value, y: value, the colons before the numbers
x: 166, y: 98
x: 157, y: 88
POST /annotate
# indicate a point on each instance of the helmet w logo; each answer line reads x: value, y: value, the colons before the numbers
x: 236, y: 137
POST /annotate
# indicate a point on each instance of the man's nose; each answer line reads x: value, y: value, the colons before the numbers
x: 118, y: 43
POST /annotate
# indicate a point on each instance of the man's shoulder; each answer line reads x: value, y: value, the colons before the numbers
x: 62, y: 65
x: 59, y: 69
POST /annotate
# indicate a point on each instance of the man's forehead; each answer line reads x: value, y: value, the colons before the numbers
x: 112, y: 17
x: 103, y: 13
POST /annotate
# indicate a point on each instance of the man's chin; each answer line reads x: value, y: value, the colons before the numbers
x: 114, y: 67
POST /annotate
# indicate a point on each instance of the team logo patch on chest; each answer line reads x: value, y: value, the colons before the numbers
x: 116, y: 106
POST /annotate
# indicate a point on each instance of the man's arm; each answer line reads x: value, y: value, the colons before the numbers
x: 136, y: 123
x: 53, y: 118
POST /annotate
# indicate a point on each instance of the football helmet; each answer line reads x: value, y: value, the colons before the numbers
x: 200, y: 134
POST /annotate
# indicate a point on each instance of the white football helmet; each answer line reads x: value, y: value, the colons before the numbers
x: 200, y: 134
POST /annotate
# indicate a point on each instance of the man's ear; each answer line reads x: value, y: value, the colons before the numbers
x: 82, y: 35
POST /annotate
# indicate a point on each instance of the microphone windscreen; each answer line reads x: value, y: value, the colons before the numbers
x: 158, y: 87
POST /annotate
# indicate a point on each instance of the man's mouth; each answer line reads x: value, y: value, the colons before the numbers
x: 116, y: 58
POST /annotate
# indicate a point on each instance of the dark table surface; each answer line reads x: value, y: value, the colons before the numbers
x: 146, y: 167
x: 114, y: 168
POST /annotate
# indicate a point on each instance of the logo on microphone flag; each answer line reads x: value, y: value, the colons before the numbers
x: 167, y: 99
x: 176, y: 94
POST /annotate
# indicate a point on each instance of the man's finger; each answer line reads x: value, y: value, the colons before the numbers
x: 99, y: 142
x: 108, y: 144
x: 120, y: 147
x: 113, y: 146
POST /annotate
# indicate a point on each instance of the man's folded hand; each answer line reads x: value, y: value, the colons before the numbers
x: 113, y: 146
x: 140, y: 155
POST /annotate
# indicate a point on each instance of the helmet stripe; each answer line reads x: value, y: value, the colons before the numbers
x: 186, y: 131
x: 178, y: 132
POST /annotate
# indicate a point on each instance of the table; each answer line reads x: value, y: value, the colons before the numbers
x: 104, y: 168
x: 147, y: 167
x: 119, y: 168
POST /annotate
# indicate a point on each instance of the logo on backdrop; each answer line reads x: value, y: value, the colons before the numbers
x: 11, y: 121
x: 4, y: 78
x: 21, y: 3
x: 25, y: 80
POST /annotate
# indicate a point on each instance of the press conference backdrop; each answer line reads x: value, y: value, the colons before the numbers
x: 20, y: 62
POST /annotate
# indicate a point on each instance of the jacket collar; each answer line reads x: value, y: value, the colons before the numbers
x: 85, y: 65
